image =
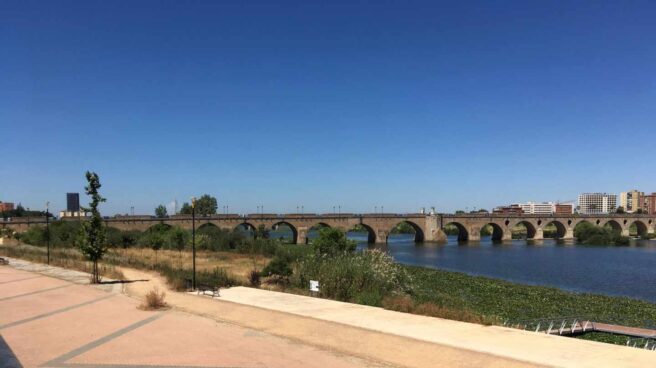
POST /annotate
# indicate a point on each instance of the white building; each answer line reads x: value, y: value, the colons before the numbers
x: 595, y: 203
x: 532, y: 208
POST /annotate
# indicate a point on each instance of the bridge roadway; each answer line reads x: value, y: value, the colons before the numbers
x: 427, y: 227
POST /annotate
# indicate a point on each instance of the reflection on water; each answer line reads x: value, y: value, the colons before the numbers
x: 624, y: 271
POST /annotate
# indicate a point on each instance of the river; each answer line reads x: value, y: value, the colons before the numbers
x: 618, y: 271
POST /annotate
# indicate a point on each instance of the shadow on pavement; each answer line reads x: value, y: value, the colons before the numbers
x: 122, y: 281
x: 7, y: 357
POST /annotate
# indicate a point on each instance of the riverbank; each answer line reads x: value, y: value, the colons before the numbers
x: 438, y: 293
x: 361, y: 335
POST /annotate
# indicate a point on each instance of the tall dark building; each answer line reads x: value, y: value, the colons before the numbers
x: 72, y: 202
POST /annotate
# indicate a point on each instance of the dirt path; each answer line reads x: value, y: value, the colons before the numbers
x: 385, y: 348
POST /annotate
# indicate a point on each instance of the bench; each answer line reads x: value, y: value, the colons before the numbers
x: 214, y: 290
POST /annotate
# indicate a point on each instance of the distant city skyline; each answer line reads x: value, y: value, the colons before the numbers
x: 400, y: 105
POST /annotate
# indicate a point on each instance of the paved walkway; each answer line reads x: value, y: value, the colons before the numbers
x: 51, y: 322
x: 83, y: 325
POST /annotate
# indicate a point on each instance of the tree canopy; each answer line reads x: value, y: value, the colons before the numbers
x: 205, y: 205
x: 160, y: 211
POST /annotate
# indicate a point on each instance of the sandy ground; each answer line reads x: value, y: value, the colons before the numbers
x: 368, y: 344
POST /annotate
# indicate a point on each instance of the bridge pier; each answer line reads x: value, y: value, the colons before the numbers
x: 569, y: 233
x: 301, y: 236
x: 381, y: 236
x: 507, y: 235
x: 539, y: 234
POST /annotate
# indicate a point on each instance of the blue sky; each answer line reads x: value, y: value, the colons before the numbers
x: 359, y: 104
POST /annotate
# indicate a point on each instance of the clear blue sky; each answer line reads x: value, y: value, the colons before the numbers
x: 360, y: 104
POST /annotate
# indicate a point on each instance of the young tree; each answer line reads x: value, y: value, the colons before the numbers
x: 178, y: 238
x: 156, y: 243
x: 92, y: 240
x: 160, y: 211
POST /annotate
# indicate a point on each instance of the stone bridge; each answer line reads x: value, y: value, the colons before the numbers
x: 427, y: 228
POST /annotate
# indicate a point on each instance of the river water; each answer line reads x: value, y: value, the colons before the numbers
x: 618, y: 271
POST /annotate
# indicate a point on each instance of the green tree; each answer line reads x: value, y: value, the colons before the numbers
x: 92, y: 240
x: 186, y: 209
x: 205, y: 205
x: 178, y: 238
x: 333, y: 241
x: 160, y: 211
x: 156, y: 242
x: 620, y: 209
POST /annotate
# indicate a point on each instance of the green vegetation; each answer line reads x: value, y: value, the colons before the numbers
x: 20, y: 211
x: 450, y: 229
x: 205, y: 205
x: 589, y: 234
x: 504, y: 300
x: 160, y: 211
x: 92, y: 237
x: 403, y: 228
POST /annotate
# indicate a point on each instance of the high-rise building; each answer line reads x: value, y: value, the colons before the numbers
x: 72, y: 202
x: 596, y: 203
x: 648, y: 203
x: 631, y: 201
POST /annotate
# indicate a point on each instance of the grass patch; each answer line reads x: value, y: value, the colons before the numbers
x: 505, y: 300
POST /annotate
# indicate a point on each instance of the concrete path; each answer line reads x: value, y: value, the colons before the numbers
x: 499, y: 341
x: 50, y: 322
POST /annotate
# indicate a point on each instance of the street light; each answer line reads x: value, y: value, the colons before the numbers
x: 193, y: 241
x: 48, y: 228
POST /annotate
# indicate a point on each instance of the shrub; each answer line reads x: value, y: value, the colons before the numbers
x: 373, y: 298
x: 333, y: 241
x: 347, y: 275
x: 35, y: 235
x: 154, y: 300
x: 279, y: 266
x: 254, y: 278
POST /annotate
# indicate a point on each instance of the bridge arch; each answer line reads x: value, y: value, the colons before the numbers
x: 615, y: 225
x: 319, y: 226
x: 641, y: 228
x: 418, y: 231
x: 207, y: 225
x: 247, y: 229
x: 294, y: 238
x: 313, y: 231
x: 371, y: 234
x: 160, y: 227
x: 530, y: 228
x: 463, y: 234
x: 561, y: 229
x: 497, y: 231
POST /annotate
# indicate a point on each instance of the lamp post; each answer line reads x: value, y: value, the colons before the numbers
x: 193, y: 242
x: 48, y: 229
